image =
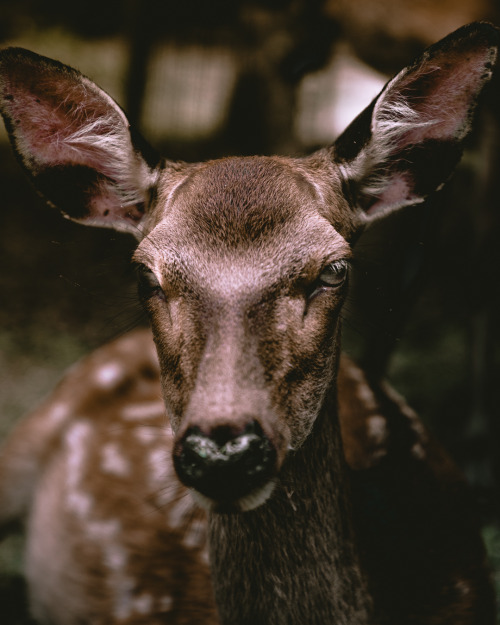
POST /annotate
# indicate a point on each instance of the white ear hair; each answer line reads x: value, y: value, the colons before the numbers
x: 406, y: 144
x: 105, y: 143
x: 74, y: 141
x: 391, y: 122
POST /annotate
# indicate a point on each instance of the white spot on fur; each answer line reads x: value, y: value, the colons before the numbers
x: 77, y: 441
x: 104, y: 530
x: 116, y: 557
x: 463, y: 587
x: 365, y: 394
x: 113, y: 461
x: 108, y: 375
x: 146, y: 434
x: 106, y: 533
x: 123, y: 587
x: 59, y: 413
x: 80, y: 503
x: 418, y: 451
x: 146, y: 410
x: 376, y: 426
x: 205, y: 556
x: 195, y: 536
x: 165, y: 603
x: 143, y: 604
x: 353, y: 371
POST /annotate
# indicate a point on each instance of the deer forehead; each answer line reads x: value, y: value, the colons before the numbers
x: 242, y: 224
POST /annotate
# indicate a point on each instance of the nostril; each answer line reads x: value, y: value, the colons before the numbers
x: 223, y: 434
x: 225, y: 465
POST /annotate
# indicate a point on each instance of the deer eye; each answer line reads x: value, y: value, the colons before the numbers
x: 331, y: 278
x: 334, y: 274
x: 149, y: 285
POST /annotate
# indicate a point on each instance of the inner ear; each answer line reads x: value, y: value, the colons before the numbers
x: 408, y: 141
x: 74, y: 141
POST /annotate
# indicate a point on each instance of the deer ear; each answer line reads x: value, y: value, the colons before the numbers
x: 74, y: 141
x: 406, y: 144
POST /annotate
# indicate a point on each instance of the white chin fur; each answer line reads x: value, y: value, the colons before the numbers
x: 249, y: 502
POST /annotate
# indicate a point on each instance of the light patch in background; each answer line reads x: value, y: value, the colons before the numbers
x: 188, y: 91
x: 329, y: 99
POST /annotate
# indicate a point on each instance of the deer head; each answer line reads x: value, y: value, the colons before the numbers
x: 244, y: 262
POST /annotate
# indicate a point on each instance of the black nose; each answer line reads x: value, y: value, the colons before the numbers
x: 224, y: 465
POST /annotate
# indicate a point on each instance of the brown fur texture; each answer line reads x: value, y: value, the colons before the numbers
x: 137, y: 553
x: 244, y: 270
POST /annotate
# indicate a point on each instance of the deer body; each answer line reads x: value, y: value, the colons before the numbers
x: 244, y: 270
x: 113, y: 537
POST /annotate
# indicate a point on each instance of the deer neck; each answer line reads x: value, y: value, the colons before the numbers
x: 293, y: 560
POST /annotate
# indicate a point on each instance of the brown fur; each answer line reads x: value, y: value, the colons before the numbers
x: 244, y: 273
x: 424, y: 499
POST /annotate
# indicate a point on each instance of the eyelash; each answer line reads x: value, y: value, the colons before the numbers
x: 332, y: 277
x: 339, y: 267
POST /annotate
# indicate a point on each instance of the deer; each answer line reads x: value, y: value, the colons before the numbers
x: 232, y: 466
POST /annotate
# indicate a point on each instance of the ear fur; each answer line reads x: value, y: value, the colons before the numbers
x: 406, y: 144
x: 74, y: 142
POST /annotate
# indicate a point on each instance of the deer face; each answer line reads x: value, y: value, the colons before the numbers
x: 244, y: 261
x: 243, y: 278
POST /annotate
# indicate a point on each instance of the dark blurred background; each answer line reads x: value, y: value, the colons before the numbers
x: 204, y: 79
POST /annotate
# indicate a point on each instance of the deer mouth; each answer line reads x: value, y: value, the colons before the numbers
x: 253, y: 500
